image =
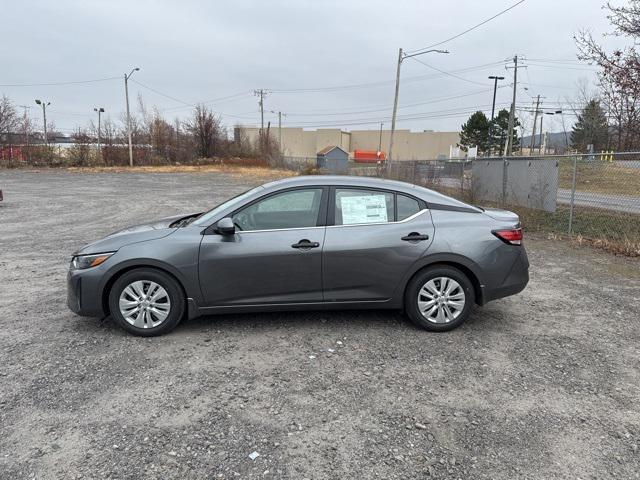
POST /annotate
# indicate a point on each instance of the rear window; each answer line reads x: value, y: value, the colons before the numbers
x: 406, y: 206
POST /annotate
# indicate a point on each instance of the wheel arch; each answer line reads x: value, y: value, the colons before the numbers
x: 108, y: 284
x: 464, y: 264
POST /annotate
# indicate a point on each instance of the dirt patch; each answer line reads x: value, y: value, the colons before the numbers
x: 541, y: 385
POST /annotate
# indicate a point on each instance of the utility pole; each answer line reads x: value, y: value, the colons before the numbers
x: 401, y: 57
x: 279, y: 129
x: 280, y: 115
x: 540, y: 146
x: 380, y: 140
x: 126, y: 94
x: 100, y: 110
x: 395, y: 110
x: 493, y: 109
x: 532, y: 144
x: 512, y: 112
x: 44, y: 105
x: 261, y: 94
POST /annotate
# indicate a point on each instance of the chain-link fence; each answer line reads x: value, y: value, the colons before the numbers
x: 593, y: 198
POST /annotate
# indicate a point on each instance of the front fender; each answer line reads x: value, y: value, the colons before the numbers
x: 176, y: 255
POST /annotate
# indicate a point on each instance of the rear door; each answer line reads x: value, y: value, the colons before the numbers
x: 275, y: 256
x: 372, y: 239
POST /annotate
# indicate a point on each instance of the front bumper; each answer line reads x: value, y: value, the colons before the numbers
x: 84, y: 292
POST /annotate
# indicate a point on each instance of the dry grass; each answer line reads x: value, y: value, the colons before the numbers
x: 601, y: 177
x: 259, y: 172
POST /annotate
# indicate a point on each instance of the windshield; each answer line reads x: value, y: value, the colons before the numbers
x: 205, y: 218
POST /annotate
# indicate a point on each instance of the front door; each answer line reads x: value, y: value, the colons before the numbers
x: 375, y: 238
x: 275, y: 256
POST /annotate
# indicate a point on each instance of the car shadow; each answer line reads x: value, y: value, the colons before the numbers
x: 303, y: 320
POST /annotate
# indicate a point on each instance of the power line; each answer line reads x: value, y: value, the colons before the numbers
x: 236, y: 96
x: 192, y: 105
x: 468, y: 29
x: 163, y: 94
x: 448, y: 73
x: 411, y: 116
x: 561, y: 66
x: 382, y: 83
x: 50, y: 84
x: 409, y: 105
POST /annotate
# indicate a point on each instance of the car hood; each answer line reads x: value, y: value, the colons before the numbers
x: 134, y: 234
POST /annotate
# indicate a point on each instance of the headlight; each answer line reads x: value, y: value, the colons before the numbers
x: 80, y: 262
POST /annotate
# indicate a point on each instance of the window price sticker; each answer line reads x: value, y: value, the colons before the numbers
x: 363, y: 209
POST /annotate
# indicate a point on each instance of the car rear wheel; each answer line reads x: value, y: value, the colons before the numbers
x: 439, y: 298
x: 146, y: 302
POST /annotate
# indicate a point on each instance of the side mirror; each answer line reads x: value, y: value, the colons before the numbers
x: 225, y: 226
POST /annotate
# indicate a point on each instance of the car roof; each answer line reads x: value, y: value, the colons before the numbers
x: 429, y: 196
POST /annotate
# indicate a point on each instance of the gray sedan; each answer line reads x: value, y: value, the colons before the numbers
x: 305, y: 243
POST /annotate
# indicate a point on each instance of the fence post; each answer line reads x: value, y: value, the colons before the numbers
x: 504, y: 181
x: 573, y: 193
x: 463, y: 163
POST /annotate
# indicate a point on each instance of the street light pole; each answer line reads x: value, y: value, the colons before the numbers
x: 44, y: 104
x: 493, y: 109
x: 99, y: 110
x: 126, y: 94
x: 557, y: 112
x: 401, y: 56
x: 280, y: 115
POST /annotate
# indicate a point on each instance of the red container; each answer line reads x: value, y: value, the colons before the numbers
x: 368, y: 156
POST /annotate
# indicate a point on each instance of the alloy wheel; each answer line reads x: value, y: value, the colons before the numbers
x: 441, y: 300
x: 144, y: 304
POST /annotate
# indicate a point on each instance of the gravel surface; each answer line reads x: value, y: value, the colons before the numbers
x: 545, y: 384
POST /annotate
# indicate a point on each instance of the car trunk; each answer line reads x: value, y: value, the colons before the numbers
x: 502, y: 215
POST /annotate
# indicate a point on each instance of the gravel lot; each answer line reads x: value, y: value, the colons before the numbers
x: 545, y: 384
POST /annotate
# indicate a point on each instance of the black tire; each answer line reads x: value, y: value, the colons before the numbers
x: 171, y: 286
x: 422, y: 277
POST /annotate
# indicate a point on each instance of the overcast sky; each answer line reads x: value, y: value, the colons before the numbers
x: 196, y: 51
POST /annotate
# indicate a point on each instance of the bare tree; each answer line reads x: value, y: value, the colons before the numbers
x: 206, y: 130
x: 8, y: 117
x: 619, y: 75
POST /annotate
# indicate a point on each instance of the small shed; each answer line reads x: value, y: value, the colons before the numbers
x: 334, y: 159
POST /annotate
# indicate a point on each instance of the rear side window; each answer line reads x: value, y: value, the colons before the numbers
x: 407, y: 206
x: 355, y: 207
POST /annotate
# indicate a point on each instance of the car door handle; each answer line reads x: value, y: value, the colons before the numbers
x: 304, y: 244
x: 415, y: 237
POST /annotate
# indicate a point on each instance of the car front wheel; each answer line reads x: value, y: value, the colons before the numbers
x: 146, y: 302
x: 439, y: 298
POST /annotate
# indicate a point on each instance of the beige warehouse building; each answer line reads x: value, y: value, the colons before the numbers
x: 408, y: 145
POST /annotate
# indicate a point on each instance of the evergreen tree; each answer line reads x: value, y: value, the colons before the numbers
x: 475, y: 132
x: 499, y: 129
x: 591, y: 128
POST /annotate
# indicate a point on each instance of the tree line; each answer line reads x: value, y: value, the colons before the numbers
x: 155, y: 139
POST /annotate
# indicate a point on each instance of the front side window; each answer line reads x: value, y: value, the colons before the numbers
x: 292, y: 209
x: 353, y: 206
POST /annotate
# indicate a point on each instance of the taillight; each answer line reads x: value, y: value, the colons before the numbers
x: 511, y: 236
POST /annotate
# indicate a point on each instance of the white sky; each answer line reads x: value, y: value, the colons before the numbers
x: 197, y: 51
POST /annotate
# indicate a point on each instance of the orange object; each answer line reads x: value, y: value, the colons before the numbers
x: 368, y: 156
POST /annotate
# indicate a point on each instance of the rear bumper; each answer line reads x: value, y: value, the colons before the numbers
x: 514, y: 282
x: 83, y: 293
